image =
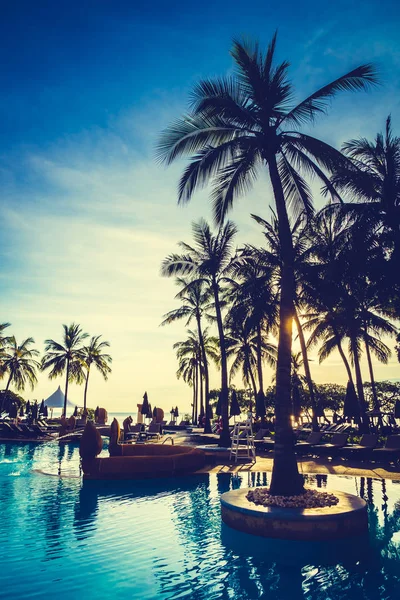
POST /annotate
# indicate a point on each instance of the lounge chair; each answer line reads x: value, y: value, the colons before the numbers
x: 154, y: 430
x: 332, y: 448
x: 367, y: 443
x: 134, y: 431
x: 391, y: 450
x: 303, y: 447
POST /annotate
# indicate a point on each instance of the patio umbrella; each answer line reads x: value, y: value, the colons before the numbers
x: 260, y: 404
x: 296, y: 402
x: 234, y: 408
x: 155, y: 412
x: 13, y: 411
x: 218, y: 410
x: 145, y: 405
x: 210, y: 412
x: 351, y: 408
x: 176, y: 412
x: 41, y: 408
x: 149, y: 412
x: 35, y: 410
x: 96, y: 412
x: 46, y: 411
x: 75, y: 413
x: 397, y: 410
x: 28, y: 407
x: 21, y: 411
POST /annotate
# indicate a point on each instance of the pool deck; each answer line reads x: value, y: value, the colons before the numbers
x: 308, y: 466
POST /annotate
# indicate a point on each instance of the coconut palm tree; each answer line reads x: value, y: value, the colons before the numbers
x: 245, y: 346
x: 64, y: 357
x: 372, y: 180
x: 195, y: 297
x: 3, y: 342
x: 19, y: 361
x: 273, y: 257
x: 254, y: 300
x: 237, y: 125
x: 188, y: 353
x: 210, y: 260
x: 93, y: 355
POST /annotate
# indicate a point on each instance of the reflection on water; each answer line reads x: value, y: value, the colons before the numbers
x: 164, y: 539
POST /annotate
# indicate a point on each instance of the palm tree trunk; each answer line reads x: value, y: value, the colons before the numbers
x: 66, y: 389
x: 9, y: 381
x: 194, y: 395
x: 286, y: 480
x: 259, y: 359
x: 207, y: 424
x: 86, y: 387
x: 224, y: 438
x: 360, y: 389
x: 371, y: 375
x: 307, y: 370
x: 253, y: 381
x: 196, y: 413
x: 342, y: 354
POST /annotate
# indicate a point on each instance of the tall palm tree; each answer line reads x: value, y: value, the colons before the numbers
x: 210, y: 259
x: 273, y: 257
x: 188, y: 353
x: 372, y: 179
x: 63, y: 357
x: 20, y: 363
x: 3, y: 342
x: 93, y: 354
x: 245, y: 346
x: 254, y: 300
x: 236, y: 125
x: 195, y: 298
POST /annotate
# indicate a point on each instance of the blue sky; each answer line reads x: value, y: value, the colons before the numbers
x: 87, y: 215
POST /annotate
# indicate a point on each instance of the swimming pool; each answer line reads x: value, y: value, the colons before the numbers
x: 164, y: 539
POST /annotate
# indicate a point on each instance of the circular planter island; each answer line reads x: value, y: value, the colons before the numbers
x: 347, y: 518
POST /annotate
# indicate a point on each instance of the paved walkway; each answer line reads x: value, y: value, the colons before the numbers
x: 306, y: 465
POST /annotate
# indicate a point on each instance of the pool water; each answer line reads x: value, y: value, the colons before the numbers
x: 164, y: 539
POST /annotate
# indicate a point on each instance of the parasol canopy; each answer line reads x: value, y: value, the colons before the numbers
x: 351, y: 408
x: 145, y: 405
x: 260, y: 404
x: 218, y: 410
x: 397, y: 410
x: 234, y: 408
x: 176, y: 412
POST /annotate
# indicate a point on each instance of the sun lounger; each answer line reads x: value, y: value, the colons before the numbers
x: 391, y: 450
x: 367, y: 443
x: 154, y: 430
x: 315, y: 437
x: 332, y: 448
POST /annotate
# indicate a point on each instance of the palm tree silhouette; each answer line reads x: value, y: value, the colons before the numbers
x: 93, y: 355
x: 210, y: 259
x: 237, y: 125
x: 372, y: 179
x: 255, y: 300
x: 195, y: 297
x: 65, y: 357
x: 20, y: 363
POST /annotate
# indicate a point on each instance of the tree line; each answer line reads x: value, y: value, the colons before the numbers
x: 334, y: 275
x: 74, y: 356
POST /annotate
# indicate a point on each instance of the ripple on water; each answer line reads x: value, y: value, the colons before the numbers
x: 163, y: 539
